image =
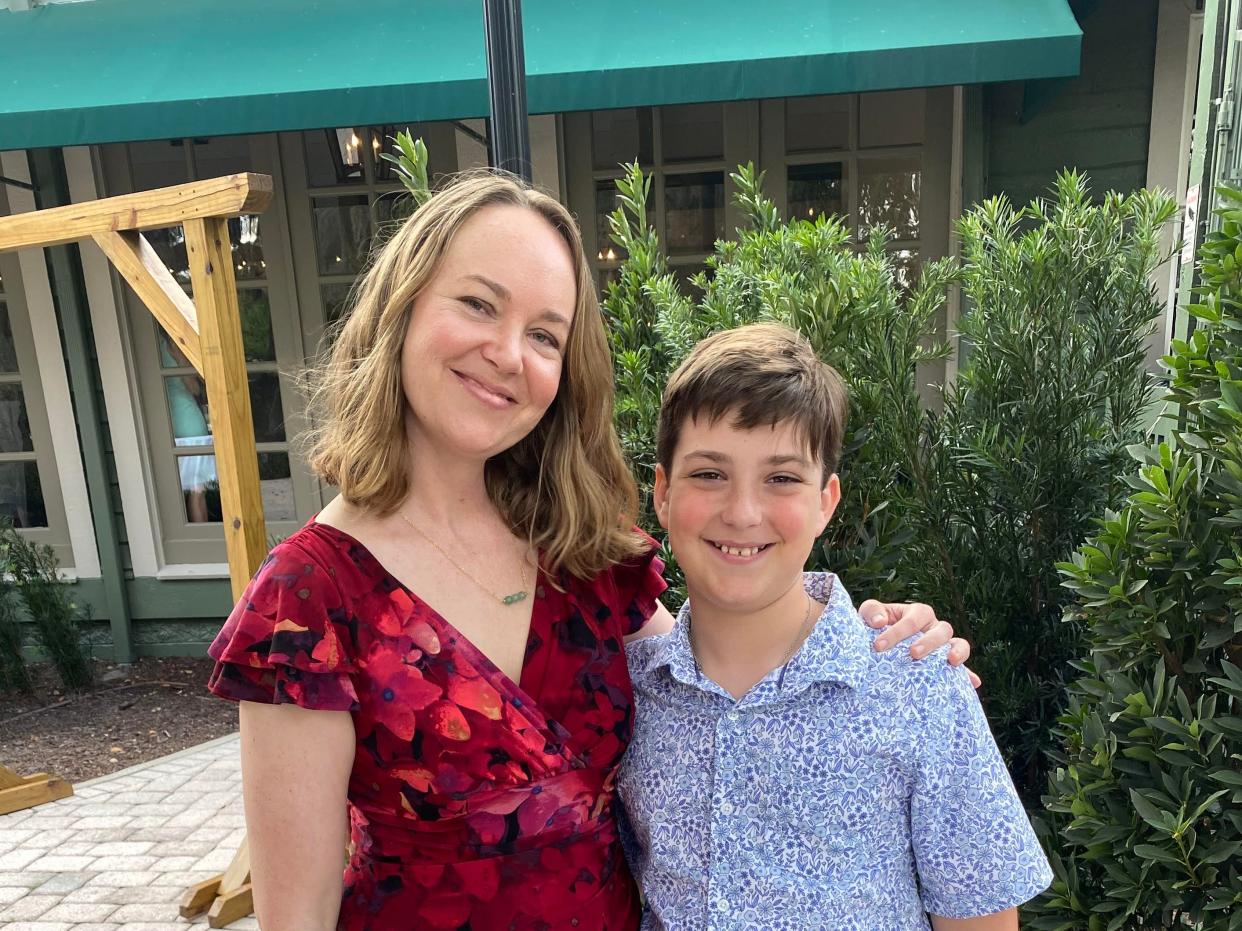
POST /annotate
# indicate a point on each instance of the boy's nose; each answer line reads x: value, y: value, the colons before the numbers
x: 742, y: 509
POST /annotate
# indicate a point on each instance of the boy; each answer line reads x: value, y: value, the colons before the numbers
x: 783, y: 774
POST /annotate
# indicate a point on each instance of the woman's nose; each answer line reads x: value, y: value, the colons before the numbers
x: 504, y: 349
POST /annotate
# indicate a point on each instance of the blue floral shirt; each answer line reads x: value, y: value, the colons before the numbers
x: 850, y: 790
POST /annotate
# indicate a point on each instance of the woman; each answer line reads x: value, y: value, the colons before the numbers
x: 474, y: 727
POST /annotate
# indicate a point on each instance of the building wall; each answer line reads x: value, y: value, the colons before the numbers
x: 1098, y: 122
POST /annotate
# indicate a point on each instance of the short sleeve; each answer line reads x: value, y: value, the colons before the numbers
x: 633, y: 587
x: 288, y: 639
x: 973, y: 843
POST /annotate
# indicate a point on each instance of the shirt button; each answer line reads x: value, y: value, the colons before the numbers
x: 726, y: 808
x: 731, y: 716
x: 722, y: 904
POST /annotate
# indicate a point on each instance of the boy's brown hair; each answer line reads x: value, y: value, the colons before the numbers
x: 762, y: 374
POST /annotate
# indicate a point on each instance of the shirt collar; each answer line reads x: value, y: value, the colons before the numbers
x: 838, y: 648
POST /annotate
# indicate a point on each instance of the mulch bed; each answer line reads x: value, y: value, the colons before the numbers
x: 135, y: 713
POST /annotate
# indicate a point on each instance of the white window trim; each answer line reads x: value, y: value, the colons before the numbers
x: 1176, y: 71
x: 193, y: 570
x: 49, y: 359
x: 108, y: 321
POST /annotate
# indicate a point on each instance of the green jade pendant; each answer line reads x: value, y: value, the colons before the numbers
x: 514, y: 598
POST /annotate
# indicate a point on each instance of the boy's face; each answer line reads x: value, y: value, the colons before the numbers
x: 742, y: 509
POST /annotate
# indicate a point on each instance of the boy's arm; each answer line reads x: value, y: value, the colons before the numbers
x: 1000, y: 921
x: 974, y: 847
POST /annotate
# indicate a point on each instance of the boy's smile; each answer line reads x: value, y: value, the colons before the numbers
x: 742, y: 509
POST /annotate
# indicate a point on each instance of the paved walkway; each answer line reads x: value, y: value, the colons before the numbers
x: 119, y: 853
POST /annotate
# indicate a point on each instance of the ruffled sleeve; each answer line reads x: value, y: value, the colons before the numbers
x: 631, y: 588
x: 288, y: 639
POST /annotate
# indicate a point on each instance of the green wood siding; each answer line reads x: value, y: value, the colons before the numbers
x: 1097, y: 122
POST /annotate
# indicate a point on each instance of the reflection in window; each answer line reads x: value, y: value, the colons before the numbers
x: 14, y: 424
x: 694, y: 211
x: 619, y: 136
x: 812, y: 190
x: 8, y: 353
x: 888, y: 193
x: 248, y: 261
x: 605, y: 204
x: 21, y: 494
x: 692, y: 132
x: 334, y: 156
x: 342, y: 233
x: 200, y: 488
x: 256, y: 325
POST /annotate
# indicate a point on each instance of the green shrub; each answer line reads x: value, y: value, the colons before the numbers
x: 58, y: 621
x: 14, y: 677
x: 1030, y: 444
x: 1146, y: 799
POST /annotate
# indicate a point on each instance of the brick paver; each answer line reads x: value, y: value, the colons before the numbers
x: 118, y: 854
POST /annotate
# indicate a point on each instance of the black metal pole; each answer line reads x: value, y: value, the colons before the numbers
x: 506, y: 86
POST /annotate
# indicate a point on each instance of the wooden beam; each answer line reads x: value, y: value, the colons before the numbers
x: 228, y: 396
x: 229, y: 196
x: 151, y: 280
x: 30, y: 791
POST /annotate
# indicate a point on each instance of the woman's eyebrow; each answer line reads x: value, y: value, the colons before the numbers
x: 497, y: 288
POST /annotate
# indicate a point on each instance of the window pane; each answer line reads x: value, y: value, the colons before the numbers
x: 605, y: 203
x: 187, y: 410
x: 222, y: 155
x: 888, y: 193
x: 8, y: 352
x: 335, y: 301
x: 265, y: 407
x: 342, y: 233
x: 891, y: 118
x: 683, y: 274
x: 694, y: 211
x: 333, y: 156
x: 248, y: 262
x: 14, y: 425
x: 159, y: 163
x: 814, y: 189
x: 200, y: 488
x: 169, y: 245
x: 21, y: 495
x: 256, y: 325
x: 621, y: 136
x: 815, y: 123
x: 276, y: 487
x: 191, y: 417
x: 692, y: 132
x: 908, y: 267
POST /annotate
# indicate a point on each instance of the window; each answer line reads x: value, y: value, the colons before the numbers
x: 30, y: 491
x: 176, y: 412
x: 859, y: 156
x: 343, y: 197
x: 684, y: 148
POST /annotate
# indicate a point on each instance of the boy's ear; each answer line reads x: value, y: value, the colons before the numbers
x: 829, y: 498
x: 659, y: 496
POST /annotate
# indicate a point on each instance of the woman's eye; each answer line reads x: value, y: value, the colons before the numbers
x: 475, y: 303
x: 547, y: 339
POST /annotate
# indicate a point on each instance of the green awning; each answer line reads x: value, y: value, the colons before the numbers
x: 115, y: 70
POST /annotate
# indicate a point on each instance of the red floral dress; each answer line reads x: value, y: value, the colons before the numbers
x: 475, y: 802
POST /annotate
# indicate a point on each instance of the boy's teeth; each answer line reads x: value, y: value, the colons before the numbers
x: 738, y: 551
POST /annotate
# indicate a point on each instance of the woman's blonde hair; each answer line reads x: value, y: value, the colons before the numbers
x: 564, y: 486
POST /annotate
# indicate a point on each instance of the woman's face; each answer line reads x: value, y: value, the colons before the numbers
x: 483, y: 352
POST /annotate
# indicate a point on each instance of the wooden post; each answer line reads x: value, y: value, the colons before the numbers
x: 208, y: 330
x: 228, y: 395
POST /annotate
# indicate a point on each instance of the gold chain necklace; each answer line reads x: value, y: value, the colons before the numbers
x: 511, y: 598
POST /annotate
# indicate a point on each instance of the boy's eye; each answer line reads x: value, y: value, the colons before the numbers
x: 786, y: 480
x: 708, y: 474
